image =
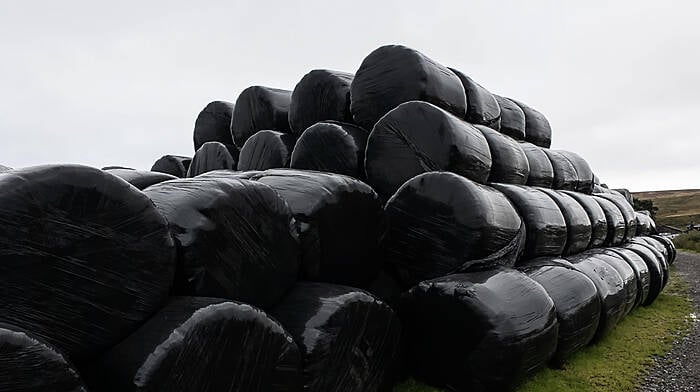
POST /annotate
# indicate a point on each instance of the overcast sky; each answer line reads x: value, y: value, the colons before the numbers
x: 121, y: 82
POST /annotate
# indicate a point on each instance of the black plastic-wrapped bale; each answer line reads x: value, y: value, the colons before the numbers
x: 482, y: 107
x: 508, y: 160
x: 478, y: 331
x: 575, y: 300
x: 596, y: 216
x: 332, y: 147
x: 260, y: 108
x: 641, y: 272
x: 658, y: 254
x: 655, y: 244
x: 175, y: 165
x: 266, y: 150
x: 418, y: 137
x: 627, y: 213
x: 626, y: 272
x: 578, y: 225
x: 394, y: 74
x: 104, y: 168
x: 545, y: 227
x: 141, y: 179
x: 212, y: 124
x: 656, y: 271
x: 615, y: 219
x: 626, y: 194
x: 584, y: 174
x: 211, y: 156
x: 29, y: 365
x: 512, y: 118
x: 349, y: 340
x: 670, y: 246
x: 85, y: 257
x: 541, y: 171
x: 645, y: 225
x: 339, y: 221
x: 202, y: 344
x: 442, y: 223
x: 537, y: 128
x: 321, y: 95
x: 234, y: 238
x: 565, y: 176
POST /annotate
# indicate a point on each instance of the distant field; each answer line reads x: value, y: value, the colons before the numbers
x: 676, y: 208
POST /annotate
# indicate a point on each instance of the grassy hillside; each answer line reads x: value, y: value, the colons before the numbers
x: 676, y: 208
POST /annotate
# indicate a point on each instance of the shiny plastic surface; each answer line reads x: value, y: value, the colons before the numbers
x: 584, y: 174
x: 394, y: 74
x: 140, y: 178
x: 670, y: 246
x: 656, y: 271
x: 596, y: 215
x: 349, y: 340
x: 478, y: 331
x: 626, y: 194
x: 234, y: 237
x: 202, y: 344
x: 626, y: 272
x: 333, y: 147
x: 627, y: 213
x: 321, y: 95
x: 509, y: 163
x: 418, y: 137
x: 565, y: 176
x: 482, y: 107
x: 211, y: 156
x: 212, y: 124
x: 541, y: 171
x: 641, y: 272
x: 175, y: 165
x: 442, y: 223
x: 537, y: 128
x: 615, y: 219
x: 512, y: 118
x: 85, y: 257
x: 260, y: 108
x: 659, y: 257
x: 578, y: 225
x: 4, y: 168
x: 266, y: 150
x: 645, y: 225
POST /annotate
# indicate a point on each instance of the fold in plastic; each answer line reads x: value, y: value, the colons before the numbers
x: 321, y: 95
x: 482, y: 107
x: 141, y: 179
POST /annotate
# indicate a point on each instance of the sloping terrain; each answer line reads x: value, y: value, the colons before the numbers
x: 676, y: 207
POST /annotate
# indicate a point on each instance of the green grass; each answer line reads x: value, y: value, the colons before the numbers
x: 618, y: 361
x: 688, y: 241
x: 676, y: 208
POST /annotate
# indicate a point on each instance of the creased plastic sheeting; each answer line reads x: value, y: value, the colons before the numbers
x: 349, y: 340
x: 659, y: 257
x: 670, y: 246
x: 584, y: 174
x: 578, y: 225
x: 508, y: 160
x: 482, y: 107
x: 596, y: 216
x: 211, y: 156
x: 641, y: 272
x: 333, y: 147
x: 260, y: 108
x: 212, y: 124
x: 575, y: 300
x: 106, y: 168
x: 565, y: 176
x: 512, y: 118
x: 656, y: 271
x: 541, y: 171
x: 442, y: 223
x: 29, y: 365
x: 5, y: 168
x: 626, y: 194
x: 615, y: 219
x: 234, y: 238
x: 394, y: 74
x: 175, y: 165
x: 645, y: 225
x: 627, y: 213
x: 140, y: 178
x: 339, y: 221
x: 478, y: 331
x: 625, y: 271
x: 202, y: 344
x: 537, y: 128
x: 266, y: 150
x: 84, y: 256
x: 418, y: 137
x: 545, y: 227
x: 321, y: 95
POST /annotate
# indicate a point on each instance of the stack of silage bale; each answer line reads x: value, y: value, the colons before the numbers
x: 401, y: 220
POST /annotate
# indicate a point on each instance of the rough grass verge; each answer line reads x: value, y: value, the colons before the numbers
x: 619, y: 361
x: 688, y: 241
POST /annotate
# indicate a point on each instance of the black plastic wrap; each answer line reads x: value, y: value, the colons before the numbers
x: 670, y: 246
x: 578, y: 225
x: 202, y: 344
x: 29, y: 365
x: 266, y: 150
x: 611, y: 289
x: 584, y: 174
x: 656, y: 271
x: 512, y: 118
x: 5, y: 168
x: 333, y: 147
x: 211, y: 156
x: 645, y: 225
x: 482, y: 107
x: 600, y: 189
x: 537, y: 128
x: 212, y: 124
x: 348, y: 339
x: 545, y: 227
x: 175, y: 165
x: 394, y: 74
x: 104, y: 168
x: 321, y: 95
x: 596, y: 216
x: 478, y: 331
x: 541, y: 170
x: 629, y: 279
x: 339, y: 221
x: 85, y: 257
x: 656, y: 244
x: 626, y: 194
x: 641, y: 272
x: 627, y: 213
x: 260, y: 108
x: 508, y: 160
x: 615, y: 219
x: 234, y: 238
x: 418, y: 137
x: 442, y: 223
x: 659, y: 257
x: 575, y: 300
x: 565, y: 176
x: 140, y: 178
